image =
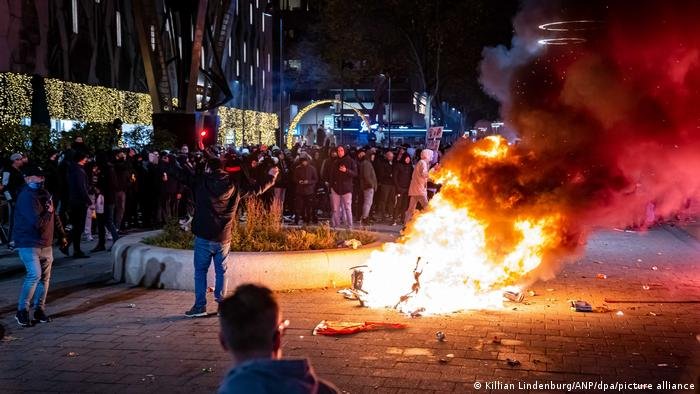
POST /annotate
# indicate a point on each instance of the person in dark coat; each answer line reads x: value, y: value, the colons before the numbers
x: 342, y: 171
x: 36, y: 221
x: 108, y: 184
x: 169, y: 192
x: 403, y: 170
x: 79, y: 200
x: 386, y: 191
x: 305, y: 179
x: 214, y: 212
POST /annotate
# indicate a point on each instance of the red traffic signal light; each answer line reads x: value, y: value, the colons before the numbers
x: 203, y: 133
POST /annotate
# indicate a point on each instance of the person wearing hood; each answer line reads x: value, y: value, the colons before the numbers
x: 305, y: 179
x: 402, y: 172
x: 342, y: 172
x: 368, y: 185
x: 251, y: 330
x: 418, y: 190
x: 215, y: 196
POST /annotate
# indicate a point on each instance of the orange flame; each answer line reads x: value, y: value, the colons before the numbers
x: 468, y: 254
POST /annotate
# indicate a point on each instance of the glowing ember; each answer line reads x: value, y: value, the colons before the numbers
x: 446, y: 260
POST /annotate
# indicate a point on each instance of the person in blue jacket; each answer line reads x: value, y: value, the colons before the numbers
x: 251, y: 331
x: 35, y: 221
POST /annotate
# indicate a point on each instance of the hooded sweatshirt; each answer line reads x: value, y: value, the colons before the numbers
x: 419, y: 180
x: 274, y: 376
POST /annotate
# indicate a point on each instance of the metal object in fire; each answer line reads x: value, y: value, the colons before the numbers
x: 515, y: 296
x: 440, y: 336
x: 357, y: 279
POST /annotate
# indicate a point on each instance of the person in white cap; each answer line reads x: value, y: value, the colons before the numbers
x: 12, y: 182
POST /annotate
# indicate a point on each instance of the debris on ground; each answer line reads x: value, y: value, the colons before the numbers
x: 515, y: 296
x: 531, y: 293
x: 72, y: 354
x: 131, y: 306
x: 208, y: 370
x: 350, y: 243
x: 513, y: 362
x: 328, y: 327
x: 597, y: 262
x: 581, y: 306
x: 496, y: 340
x: 450, y: 355
x: 550, y: 289
x: 601, y: 276
x: 620, y: 313
x: 645, y: 287
x: 348, y: 294
x: 536, y: 361
x: 662, y: 365
x: 440, y: 336
x: 9, y: 338
x: 149, y: 378
x: 654, y: 268
x: 442, y: 361
x: 652, y: 314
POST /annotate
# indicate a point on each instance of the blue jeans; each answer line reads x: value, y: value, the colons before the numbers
x: 38, y: 263
x: 204, y: 251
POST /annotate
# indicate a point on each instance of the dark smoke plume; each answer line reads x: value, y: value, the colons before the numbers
x: 610, y: 126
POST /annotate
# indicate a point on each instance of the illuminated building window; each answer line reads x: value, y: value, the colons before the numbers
x: 251, y: 75
x: 119, y: 29
x: 238, y: 68
x: 153, y: 38
x: 74, y: 14
x: 269, y: 63
x: 245, y: 52
x: 263, y: 80
x: 257, y: 57
x: 229, y: 47
x: 251, y: 13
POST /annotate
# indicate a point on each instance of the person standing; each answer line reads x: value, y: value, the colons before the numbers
x: 368, y: 184
x: 12, y: 182
x: 79, y: 200
x: 418, y: 189
x: 403, y: 170
x: 34, y: 234
x: 214, y: 213
x: 305, y: 179
x: 342, y: 171
x: 386, y: 191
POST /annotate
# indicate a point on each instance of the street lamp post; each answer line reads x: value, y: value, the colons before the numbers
x: 390, y: 113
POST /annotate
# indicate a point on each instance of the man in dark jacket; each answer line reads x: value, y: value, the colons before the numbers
x: 251, y: 331
x: 214, y: 212
x: 305, y: 179
x: 34, y: 230
x: 79, y: 200
x: 403, y: 171
x: 386, y: 192
x: 341, y: 172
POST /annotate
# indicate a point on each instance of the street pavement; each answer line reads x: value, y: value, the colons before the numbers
x: 116, y: 338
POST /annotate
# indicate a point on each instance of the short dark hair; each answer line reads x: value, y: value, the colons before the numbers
x: 249, y: 318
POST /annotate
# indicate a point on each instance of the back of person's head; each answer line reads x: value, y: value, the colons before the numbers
x: 250, y: 321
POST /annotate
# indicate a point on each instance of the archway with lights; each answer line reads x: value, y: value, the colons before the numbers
x: 295, y: 121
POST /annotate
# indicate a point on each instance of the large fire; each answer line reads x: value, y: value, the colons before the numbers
x: 457, y: 255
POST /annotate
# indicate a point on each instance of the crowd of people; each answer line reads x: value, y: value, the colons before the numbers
x: 104, y: 194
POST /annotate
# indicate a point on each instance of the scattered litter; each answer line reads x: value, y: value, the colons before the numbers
x: 450, y: 355
x: 601, y: 276
x: 149, y: 378
x: 645, y: 287
x: 652, y: 314
x: 550, y: 289
x: 348, y: 294
x: 581, y: 306
x: 536, y: 361
x: 496, y: 340
x: 635, y: 354
x: 639, y: 260
x: 513, y: 362
x: 654, y: 268
x: 72, y: 354
x: 620, y: 313
x: 515, y: 296
x: 9, y: 338
x: 327, y: 327
x: 662, y: 365
x: 440, y: 336
x: 350, y: 243
x: 597, y: 262
x: 602, y: 309
x: 531, y: 293
x: 659, y: 253
x: 418, y: 312
x: 109, y: 364
x: 442, y: 361
x: 131, y: 306
x: 208, y: 370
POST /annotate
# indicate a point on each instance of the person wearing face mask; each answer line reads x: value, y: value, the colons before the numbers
x: 35, y: 223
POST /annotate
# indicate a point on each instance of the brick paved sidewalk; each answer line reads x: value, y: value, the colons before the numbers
x: 98, y: 343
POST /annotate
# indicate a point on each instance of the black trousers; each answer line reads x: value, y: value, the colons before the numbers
x: 77, y: 220
x: 401, y: 207
x: 384, y: 200
x: 304, y: 208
